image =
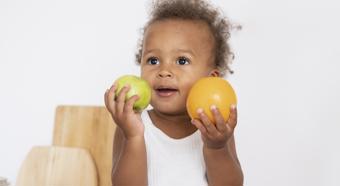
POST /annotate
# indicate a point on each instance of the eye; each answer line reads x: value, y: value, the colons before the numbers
x: 153, y: 61
x: 182, y: 61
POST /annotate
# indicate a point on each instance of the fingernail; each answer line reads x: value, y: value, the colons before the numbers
x: 213, y: 107
x: 200, y: 110
x: 233, y: 106
x: 192, y: 121
x: 107, y: 90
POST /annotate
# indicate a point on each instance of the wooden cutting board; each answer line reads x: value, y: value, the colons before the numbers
x: 57, y: 166
x: 89, y: 127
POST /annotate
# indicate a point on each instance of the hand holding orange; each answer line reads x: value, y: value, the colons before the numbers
x: 210, y: 91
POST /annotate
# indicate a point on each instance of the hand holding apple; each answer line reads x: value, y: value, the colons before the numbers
x: 138, y: 86
x: 124, y: 106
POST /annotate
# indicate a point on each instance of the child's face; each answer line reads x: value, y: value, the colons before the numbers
x: 176, y: 53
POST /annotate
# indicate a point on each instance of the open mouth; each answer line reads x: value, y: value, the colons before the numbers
x: 165, y: 92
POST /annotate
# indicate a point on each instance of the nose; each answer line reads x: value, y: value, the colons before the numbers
x: 164, y: 73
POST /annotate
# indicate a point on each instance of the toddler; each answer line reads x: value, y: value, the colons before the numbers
x: 184, y: 40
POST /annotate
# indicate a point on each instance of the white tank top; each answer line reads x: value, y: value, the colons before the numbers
x: 173, y: 162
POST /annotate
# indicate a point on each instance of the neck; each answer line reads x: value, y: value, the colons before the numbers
x: 174, y: 125
x: 182, y: 118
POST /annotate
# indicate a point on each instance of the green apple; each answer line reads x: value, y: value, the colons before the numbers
x: 138, y: 86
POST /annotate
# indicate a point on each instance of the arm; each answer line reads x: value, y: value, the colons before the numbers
x: 223, y: 167
x: 129, y: 161
x: 129, y: 152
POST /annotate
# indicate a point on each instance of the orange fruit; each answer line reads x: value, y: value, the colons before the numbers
x: 210, y: 91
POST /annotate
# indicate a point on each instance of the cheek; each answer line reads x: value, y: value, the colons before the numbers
x: 187, y: 84
x: 147, y: 76
x: 144, y: 72
x: 190, y: 79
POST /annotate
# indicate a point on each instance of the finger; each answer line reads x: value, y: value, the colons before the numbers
x: 211, y: 129
x: 120, y: 101
x: 105, y: 99
x: 200, y: 126
x: 232, y: 121
x: 129, y: 103
x: 110, y: 103
x: 220, y: 123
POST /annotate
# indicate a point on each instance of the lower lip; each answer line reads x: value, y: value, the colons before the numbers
x: 165, y: 93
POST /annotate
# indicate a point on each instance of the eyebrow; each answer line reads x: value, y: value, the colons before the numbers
x: 177, y: 50
x: 150, y: 51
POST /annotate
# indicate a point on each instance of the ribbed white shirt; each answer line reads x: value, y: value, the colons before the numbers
x: 173, y: 162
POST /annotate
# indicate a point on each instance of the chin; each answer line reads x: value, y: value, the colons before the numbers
x: 169, y: 109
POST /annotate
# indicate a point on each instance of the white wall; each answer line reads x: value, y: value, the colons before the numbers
x: 287, y: 59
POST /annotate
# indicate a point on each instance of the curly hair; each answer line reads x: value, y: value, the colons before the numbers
x: 195, y: 10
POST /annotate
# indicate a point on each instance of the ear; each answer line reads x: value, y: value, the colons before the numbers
x: 215, y: 73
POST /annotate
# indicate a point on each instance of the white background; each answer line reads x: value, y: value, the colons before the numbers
x: 286, y: 77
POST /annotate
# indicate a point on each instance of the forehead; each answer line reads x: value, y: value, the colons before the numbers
x: 193, y: 34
